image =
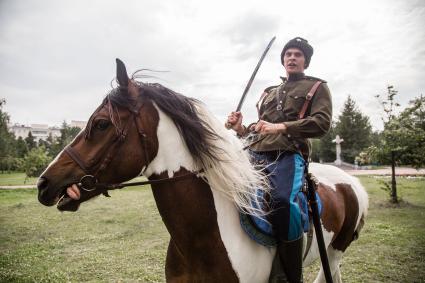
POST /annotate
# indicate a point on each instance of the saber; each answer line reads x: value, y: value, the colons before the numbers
x: 248, y: 85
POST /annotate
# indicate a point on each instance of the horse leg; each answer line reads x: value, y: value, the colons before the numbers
x: 175, y: 270
x: 334, y: 257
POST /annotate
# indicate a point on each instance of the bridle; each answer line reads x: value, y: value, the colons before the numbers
x: 89, y: 182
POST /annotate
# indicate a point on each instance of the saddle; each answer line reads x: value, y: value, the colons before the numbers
x: 260, y: 229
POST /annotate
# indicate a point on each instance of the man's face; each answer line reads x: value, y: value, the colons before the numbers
x: 294, y: 61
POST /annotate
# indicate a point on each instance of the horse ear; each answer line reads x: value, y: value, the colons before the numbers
x: 122, y: 76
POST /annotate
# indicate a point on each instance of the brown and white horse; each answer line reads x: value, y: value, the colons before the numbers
x: 148, y: 129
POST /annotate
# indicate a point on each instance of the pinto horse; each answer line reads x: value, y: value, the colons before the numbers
x: 147, y: 129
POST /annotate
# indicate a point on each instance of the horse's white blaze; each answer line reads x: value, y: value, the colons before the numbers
x: 173, y: 153
x: 331, y: 175
x: 52, y: 163
x: 59, y: 154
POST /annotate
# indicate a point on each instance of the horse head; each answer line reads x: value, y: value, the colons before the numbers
x: 123, y: 126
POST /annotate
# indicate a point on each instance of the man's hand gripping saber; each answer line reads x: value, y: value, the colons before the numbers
x: 248, y: 85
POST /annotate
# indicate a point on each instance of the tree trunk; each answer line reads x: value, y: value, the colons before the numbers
x: 394, y: 197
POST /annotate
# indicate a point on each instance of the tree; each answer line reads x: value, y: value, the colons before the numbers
x: 47, y: 144
x: 392, y: 138
x: 7, y: 149
x: 355, y: 129
x: 326, y: 147
x: 409, y: 133
x: 35, y: 161
x: 30, y: 141
x: 68, y: 133
x: 21, y: 147
x: 315, y: 154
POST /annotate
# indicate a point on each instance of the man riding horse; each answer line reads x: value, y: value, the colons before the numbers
x: 290, y: 113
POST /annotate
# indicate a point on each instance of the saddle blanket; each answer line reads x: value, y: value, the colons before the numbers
x: 261, y: 231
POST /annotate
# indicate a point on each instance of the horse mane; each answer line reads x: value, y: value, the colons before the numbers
x: 197, y: 134
x: 226, y: 166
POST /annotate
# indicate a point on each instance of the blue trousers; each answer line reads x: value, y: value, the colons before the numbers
x: 286, y: 175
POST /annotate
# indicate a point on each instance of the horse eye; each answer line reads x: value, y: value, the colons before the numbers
x: 102, y: 125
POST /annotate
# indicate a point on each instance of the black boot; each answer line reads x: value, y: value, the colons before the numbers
x: 290, y: 253
x: 277, y: 275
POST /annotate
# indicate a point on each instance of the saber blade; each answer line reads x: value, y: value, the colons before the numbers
x: 248, y: 85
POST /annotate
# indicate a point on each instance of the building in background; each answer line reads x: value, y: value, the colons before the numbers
x: 79, y: 124
x: 41, y: 131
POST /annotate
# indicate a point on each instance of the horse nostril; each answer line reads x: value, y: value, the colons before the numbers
x: 42, y: 183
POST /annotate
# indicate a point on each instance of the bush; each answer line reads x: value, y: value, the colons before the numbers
x: 9, y: 163
x: 35, y: 161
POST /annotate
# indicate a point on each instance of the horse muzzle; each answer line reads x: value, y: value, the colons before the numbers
x: 50, y: 194
x: 45, y: 195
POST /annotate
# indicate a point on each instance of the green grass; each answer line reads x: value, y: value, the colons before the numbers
x: 16, y: 179
x: 122, y: 239
x: 391, y: 247
x: 109, y: 239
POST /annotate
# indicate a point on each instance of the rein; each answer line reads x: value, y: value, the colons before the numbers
x: 89, y: 183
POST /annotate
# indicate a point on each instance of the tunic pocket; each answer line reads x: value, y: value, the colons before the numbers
x: 295, y: 101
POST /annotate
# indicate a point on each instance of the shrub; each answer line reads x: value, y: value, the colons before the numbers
x: 35, y: 161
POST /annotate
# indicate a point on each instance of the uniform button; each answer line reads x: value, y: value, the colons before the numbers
x: 284, y: 91
x: 296, y: 96
x: 289, y: 135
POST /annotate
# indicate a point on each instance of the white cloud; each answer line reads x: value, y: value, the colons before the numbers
x: 58, y: 56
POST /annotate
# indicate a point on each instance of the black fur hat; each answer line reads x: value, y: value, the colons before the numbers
x: 301, y: 44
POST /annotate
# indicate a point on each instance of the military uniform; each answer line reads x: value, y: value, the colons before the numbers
x: 282, y: 104
x: 284, y: 153
x: 284, y: 156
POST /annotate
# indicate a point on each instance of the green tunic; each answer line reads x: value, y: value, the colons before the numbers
x: 283, y: 103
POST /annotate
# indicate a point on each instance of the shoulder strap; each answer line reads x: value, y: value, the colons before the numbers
x: 308, y: 99
x: 260, y: 101
x: 263, y: 95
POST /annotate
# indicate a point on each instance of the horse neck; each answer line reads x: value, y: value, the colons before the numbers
x: 188, y: 211
x: 196, y: 248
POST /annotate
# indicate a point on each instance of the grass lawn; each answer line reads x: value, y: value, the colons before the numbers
x: 122, y: 239
x: 16, y: 179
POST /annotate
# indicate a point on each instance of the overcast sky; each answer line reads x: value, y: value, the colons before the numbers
x: 57, y: 58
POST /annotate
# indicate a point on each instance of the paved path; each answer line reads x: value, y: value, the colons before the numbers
x: 399, y: 171
x: 18, y: 187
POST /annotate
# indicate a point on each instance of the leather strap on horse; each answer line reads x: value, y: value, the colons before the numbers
x: 107, y: 187
x: 308, y: 98
x: 77, y: 158
x: 89, y: 181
